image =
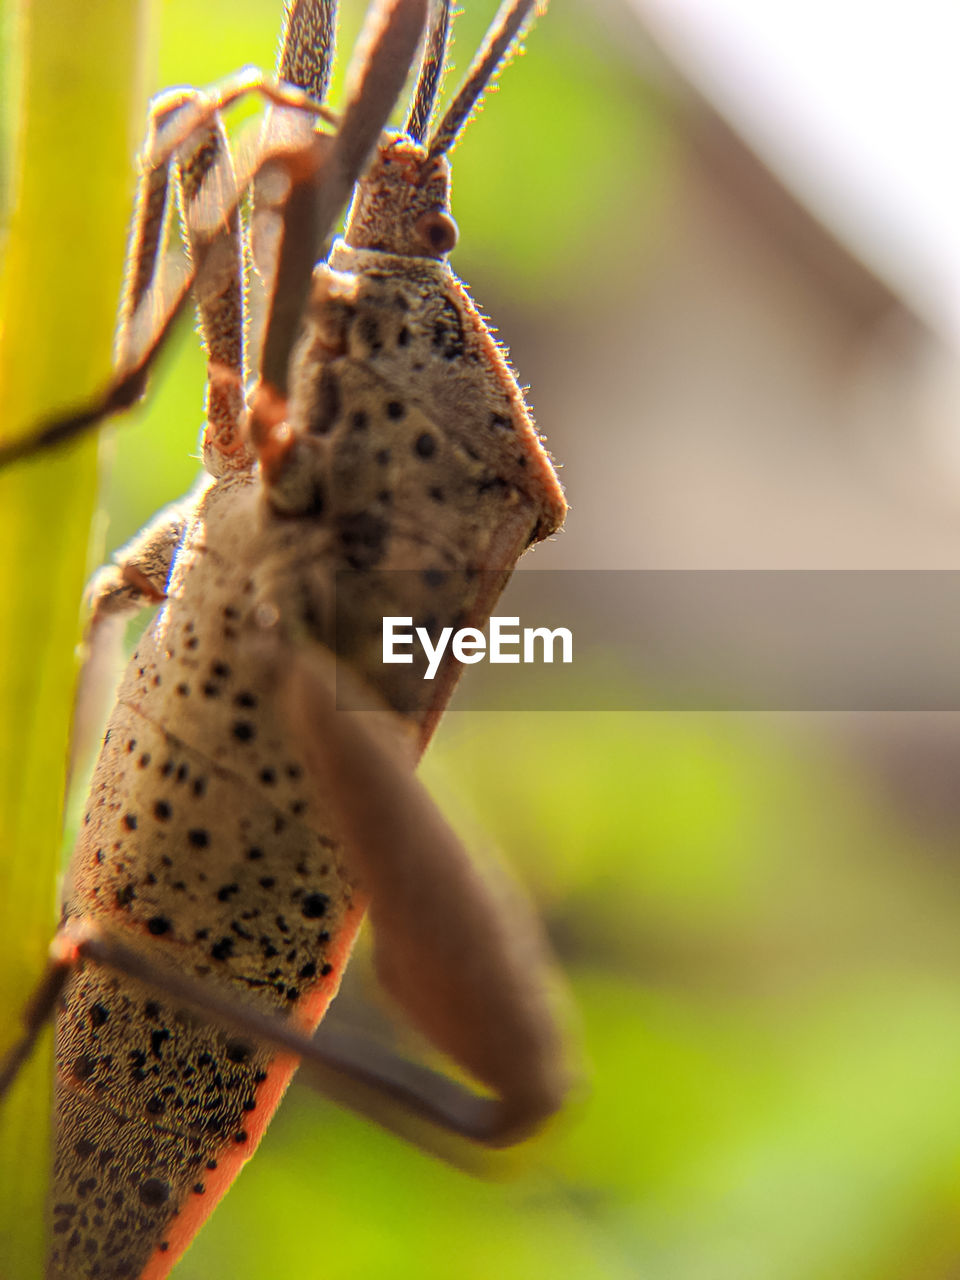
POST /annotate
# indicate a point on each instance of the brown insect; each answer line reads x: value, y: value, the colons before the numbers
x: 248, y: 804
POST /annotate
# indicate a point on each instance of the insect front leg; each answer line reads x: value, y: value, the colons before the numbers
x: 461, y: 953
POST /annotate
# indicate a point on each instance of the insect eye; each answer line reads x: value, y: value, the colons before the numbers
x: 436, y: 231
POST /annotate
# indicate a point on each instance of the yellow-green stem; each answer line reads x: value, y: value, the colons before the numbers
x: 81, y: 82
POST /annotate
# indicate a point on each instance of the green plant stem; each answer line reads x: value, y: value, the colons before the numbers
x: 80, y: 72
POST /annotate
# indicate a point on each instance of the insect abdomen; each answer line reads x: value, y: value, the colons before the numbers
x: 209, y: 854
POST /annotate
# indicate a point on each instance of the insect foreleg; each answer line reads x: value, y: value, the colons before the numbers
x: 462, y: 954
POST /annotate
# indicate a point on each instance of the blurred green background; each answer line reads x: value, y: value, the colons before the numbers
x: 758, y: 929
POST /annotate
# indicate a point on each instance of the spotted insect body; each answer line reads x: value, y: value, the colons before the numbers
x: 404, y: 476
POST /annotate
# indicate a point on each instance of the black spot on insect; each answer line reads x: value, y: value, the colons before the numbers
x: 403, y: 337
x: 156, y: 1106
x: 425, y: 445
x: 130, y: 821
x: 162, y: 810
x: 183, y: 690
x: 202, y: 934
x: 245, y: 699
x: 237, y: 1051
x: 85, y: 1148
x: 98, y: 1015
x: 293, y: 993
x: 84, y: 1066
x: 500, y: 421
x: 298, y: 807
x: 294, y: 771
x: 167, y: 768
x: 151, y: 1010
x: 259, y: 1077
x: 163, y: 1246
x: 223, y: 949
x: 314, y: 906
x: 220, y: 670
x: 126, y: 895
x: 492, y: 484
x: 183, y: 772
x: 132, y: 744
x: 447, y: 339
x: 267, y: 882
x: 158, y: 925
x: 382, y: 457
x: 211, y: 690
x: 214, y: 1125
x: 437, y: 494
x: 154, y: 1192
x: 198, y: 837
x: 199, y: 786
x: 327, y: 403
x: 231, y: 612
x: 385, y: 497
x: 268, y: 777
x: 198, y: 1188
x: 243, y: 730
x: 179, y: 886
x: 249, y: 1104
x: 396, y: 410
x: 363, y: 537
x: 226, y: 892
x: 86, y: 1186
x: 254, y: 854
x: 359, y: 420
x: 309, y: 970
x: 211, y: 1165
x: 326, y: 970
x: 192, y: 642
x: 158, y: 1039
x: 368, y: 331
x: 240, y: 1136
x: 144, y: 760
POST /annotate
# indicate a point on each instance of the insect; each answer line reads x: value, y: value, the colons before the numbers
x: 248, y: 806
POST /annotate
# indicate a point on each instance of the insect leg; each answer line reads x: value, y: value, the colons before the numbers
x: 158, y: 288
x: 307, y: 45
x: 376, y: 76
x: 36, y: 1014
x: 462, y: 954
x: 206, y: 169
x: 343, y: 1066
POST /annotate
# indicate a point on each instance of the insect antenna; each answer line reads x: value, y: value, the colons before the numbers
x: 502, y: 33
x: 431, y: 71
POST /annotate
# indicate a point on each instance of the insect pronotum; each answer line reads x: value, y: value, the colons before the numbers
x: 239, y: 820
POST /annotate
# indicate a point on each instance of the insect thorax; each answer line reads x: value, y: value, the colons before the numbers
x: 416, y: 454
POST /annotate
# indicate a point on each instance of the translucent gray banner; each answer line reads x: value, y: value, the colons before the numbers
x: 659, y: 640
